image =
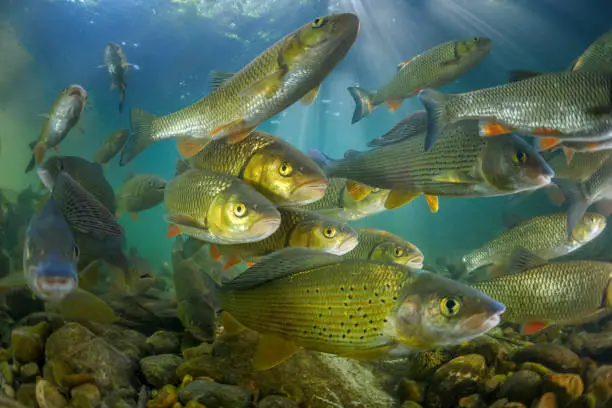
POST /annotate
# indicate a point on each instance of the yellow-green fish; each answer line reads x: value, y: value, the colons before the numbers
x: 545, y: 236
x: 111, y: 146
x: 140, y: 192
x: 64, y: 115
x: 298, y: 228
x: 383, y: 246
x: 292, y: 68
x: 276, y: 169
x: 433, y: 68
x: 338, y: 203
x: 218, y: 208
x: 582, y: 166
x: 596, y: 58
x: 538, y: 294
x: 355, y: 308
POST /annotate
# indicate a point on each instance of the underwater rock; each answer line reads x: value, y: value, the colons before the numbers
x: 523, y: 386
x: 26, y: 395
x: 458, y: 378
x: 204, y: 349
x: 131, y: 343
x: 164, y: 342
x: 491, y: 349
x: 276, y: 401
x: 536, y: 368
x: 203, y: 366
x: 5, y: 355
x: 215, y: 395
x: 29, y: 372
x: 84, y: 352
x: 592, y: 344
x: 566, y: 387
x: 165, y: 398
x: 20, y: 303
x: 161, y: 369
x: 601, y: 387
x: 547, y: 400
x: 61, y: 374
x: 411, y: 391
x: 48, y: 396
x: 28, y: 342
x: 6, y: 373
x: 410, y: 404
x: 504, y: 403
x: 493, y: 384
x: 553, y: 356
x: 471, y: 401
x: 87, y: 392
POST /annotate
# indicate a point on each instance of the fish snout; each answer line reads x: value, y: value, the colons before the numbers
x: 309, y: 192
x: 55, y: 287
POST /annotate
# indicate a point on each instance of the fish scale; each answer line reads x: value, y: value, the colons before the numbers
x: 581, y: 166
x: 561, y: 292
x: 310, y: 307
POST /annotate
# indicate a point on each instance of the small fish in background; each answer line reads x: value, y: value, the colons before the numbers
x: 116, y: 64
x: 279, y: 171
x: 538, y: 294
x: 433, y: 68
x: 111, y: 146
x: 291, y: 69
x: 383, y: 246
x: 140, y: 192
x: 582, y: 166
x: 218, y: 208
x: 298, y: 228
x: 302, y: 298
x: 63, y: 116
x: 545, y: 236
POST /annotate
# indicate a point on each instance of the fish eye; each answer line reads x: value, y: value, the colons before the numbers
x: 450, y: 306
x: 519, y: 157
x: 475, y: 39
x: 319, y: 22
x: 240, y: 210
x: 75, y: 251
x: 285, y: 169
x: 397, y: 252
x: 329, y: 232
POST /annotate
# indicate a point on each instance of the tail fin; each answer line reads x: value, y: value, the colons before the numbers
x: 121, y: 97
x: 32, y: 162
x: 141, y: 138
x: 434, y: 103
x: 363, y: 102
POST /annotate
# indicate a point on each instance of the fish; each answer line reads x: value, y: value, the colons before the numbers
x: 433, y: 68
x: 116, y: 64
x: 582, y: 166
x: 63, y: 116
x: 460, y: 164
x: 140, y: 192
x: 302, y: 298
x: 89, y: 175
x: 338, y: 203
x: 218, y: 208
x: 413, y: 123
x: 554, y: 107
x: 276, y: 169
x: 597, y: 57
x: 111, y: 146
x: 545, y: 236
x: 538, y: 294
x: 378, y: 245
x: 291, y: 69
x: 298, y: 228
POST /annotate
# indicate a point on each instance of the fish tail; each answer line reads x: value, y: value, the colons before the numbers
x: 141, y: 123
x: 31, y: 165
x: 435, y: 105
x: 121, y: 97
x: 363, y: 102
x: 578, y: 203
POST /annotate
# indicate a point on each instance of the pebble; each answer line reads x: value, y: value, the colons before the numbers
x: 553, y: 356
x: 161, y: 369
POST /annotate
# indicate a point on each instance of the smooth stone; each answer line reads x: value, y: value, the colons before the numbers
x: 601, y: 386
x: 164, y: 342
x: 202, y: 366
x: 547, y: 400
x: 410, y: 404
x: 553, y: 356
x: 48, y: 396
x: 566, y: 387
x: 411, y: 391
x: 215, y: 395
x: 26, y: 395
x: 161, y: 369
x: 6, y: 373
x: 165, y: 398
x: 28, y: 342
x: 276, y: 401
x: 80, y: 401
x: 87, y: 392
x: 29, y: 372
x: 523, y: 386
x: 471, y: 401
x: 592, y: 344
x: 5, y: 355
x: 460, y: 377
x: 536, y: 368
x: 204, y: 349
x: 131, y: 343
x: 493, y: 384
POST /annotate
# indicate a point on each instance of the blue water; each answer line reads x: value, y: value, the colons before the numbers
x: 176, y: 48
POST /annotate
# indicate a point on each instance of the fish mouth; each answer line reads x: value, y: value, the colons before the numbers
x: 347, y: 245
x: 416, y: 262
x: 309, y: 192
x: 265, y: 227
x: 77, y: 91
x: 55, y: 287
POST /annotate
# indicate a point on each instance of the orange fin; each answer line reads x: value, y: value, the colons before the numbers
x: 546, y: 131
x: 237, y: 127
x: 249, y: 264
x: 189, y: 147
x: 356, y: 190
x: 432, y: 202
x: 533, y: 327
x: 569, y: 153
x: 393, y: 104
x: 397, y: 198
x: 134, y: 216
x: 39, y: 153
x: 238, y: 137
x: 555, y: 194
x: 173, y: 231
x: 214, y: 252
x: 546, y: 143
x: 231, y: 262
x: 492, y: 128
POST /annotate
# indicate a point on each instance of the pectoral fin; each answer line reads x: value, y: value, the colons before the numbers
x: 393, y: 104
x: 454, y: 176
x: 231, y: 262
x: 397, y: 198
x: 310, y: 96
x: 266, y: 86
x: 533, y: 327
x: 357, y: 191
x: 492, y: 128
x: 272, y: 350
x: 235, y: 131
x: 189, y: 147
x: 230, y: 324
x: 432, y: 202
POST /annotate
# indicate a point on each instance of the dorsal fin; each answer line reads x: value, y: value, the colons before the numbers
x: 511, y: 220
x: 182, y: 165
x: 522, y: 260
x: 281, y: 263
x: 518, y: 75
x: 217, y: 78
x: 412, y: 125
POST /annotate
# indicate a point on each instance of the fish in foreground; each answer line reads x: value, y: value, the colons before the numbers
x: 555, y: 107
x: 298, y: 228
x: 276, y: 169
x: 140, y: 192
x: 582, y: 166
x: 460, y: 164
x: 116, y: 64
x: 382, y: 246
x: 290, y: 69
x: 218, y: 208
x: 361, y: 309
x: 111, y: 146
x: 538, y: 294
x: 338, y: 203
x: 433, y: 68
x: 545, y: 236
x: 64, y: 115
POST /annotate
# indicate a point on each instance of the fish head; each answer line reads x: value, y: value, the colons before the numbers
x: 286, y: 175
x: 433, y: 311
x: 325, y: 234
x: 473, y: 49
x: 373, y: 202
x: 78, y: 94
x: 398, y: 251
x: 241, y: 214
x: 589, y: 227
x: 510, y: 163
